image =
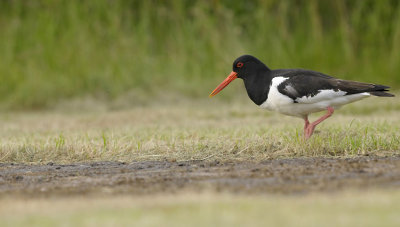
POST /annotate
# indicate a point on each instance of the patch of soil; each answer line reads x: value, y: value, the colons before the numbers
x: 286, y: 176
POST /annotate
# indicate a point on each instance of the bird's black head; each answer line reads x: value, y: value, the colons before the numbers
x: 247, y: 65
x: 243, y: 67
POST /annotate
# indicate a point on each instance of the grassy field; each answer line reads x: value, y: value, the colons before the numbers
x: 207, y: 129
x: 54, y: 50
x: 373, y: 208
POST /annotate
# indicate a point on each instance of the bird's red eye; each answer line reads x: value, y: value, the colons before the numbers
x: 239, y: 65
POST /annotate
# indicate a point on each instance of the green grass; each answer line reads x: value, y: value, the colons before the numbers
x: 373, y: 208
x: 211, y: 130
x: 53, y: 50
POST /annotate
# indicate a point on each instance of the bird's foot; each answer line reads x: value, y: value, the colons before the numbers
x: 309, y: 131
x: 309, y: 128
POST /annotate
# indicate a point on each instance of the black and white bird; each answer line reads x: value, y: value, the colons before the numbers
x: 298, y: 92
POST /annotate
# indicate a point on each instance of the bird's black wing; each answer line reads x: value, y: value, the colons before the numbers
x: 304, y: 83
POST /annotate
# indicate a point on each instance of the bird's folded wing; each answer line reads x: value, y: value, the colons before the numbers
x: 311, y: 88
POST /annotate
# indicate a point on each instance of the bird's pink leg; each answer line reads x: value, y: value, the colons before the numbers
x: 306, y: 124
x: 310, y: 129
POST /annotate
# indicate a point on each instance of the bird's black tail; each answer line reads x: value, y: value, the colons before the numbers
x: 381, y: 91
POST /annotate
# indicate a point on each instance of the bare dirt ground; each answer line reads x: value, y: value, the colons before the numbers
x: 288, y: 176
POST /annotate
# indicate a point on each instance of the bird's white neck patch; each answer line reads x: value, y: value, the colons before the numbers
x: 275, y: 98
x: 278, y: 80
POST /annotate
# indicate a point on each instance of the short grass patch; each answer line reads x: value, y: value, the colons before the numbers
x: 207, y: 130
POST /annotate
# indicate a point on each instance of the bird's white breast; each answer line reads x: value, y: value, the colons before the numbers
x: 275, y: 99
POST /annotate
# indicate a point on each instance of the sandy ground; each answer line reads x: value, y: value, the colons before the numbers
x: 287, y: 176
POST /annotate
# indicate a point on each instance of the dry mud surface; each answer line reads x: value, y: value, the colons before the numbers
x: 287, y: 176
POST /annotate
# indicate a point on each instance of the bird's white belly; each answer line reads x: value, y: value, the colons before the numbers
x: 305, y: 105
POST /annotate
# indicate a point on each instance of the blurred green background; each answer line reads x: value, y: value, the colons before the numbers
x: 54, y: 50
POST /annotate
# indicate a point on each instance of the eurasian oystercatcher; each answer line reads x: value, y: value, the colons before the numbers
x: 297, y: 92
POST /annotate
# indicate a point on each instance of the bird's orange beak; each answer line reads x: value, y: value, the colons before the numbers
x: 224, y: 83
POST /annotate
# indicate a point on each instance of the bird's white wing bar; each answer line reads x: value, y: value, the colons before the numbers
x: 323, y: 95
